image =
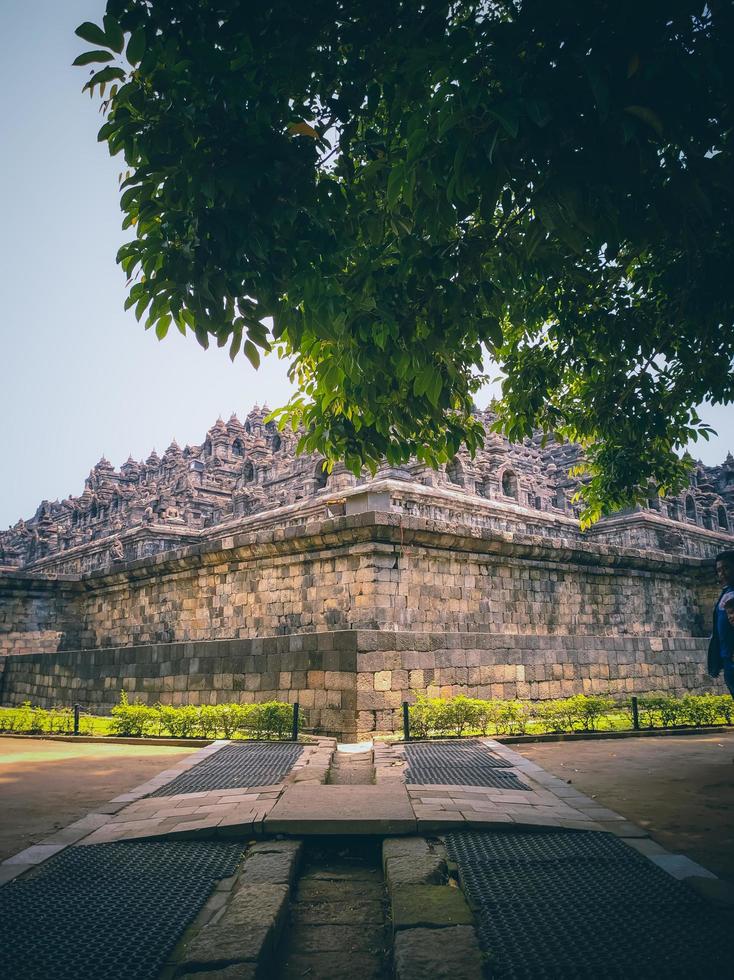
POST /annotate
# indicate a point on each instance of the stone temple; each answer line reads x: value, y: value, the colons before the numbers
x: 236, y: 570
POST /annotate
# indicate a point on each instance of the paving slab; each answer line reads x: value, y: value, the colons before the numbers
x: 239, y: 971
x: 326, y: 809
x: 346, y: 938
x: 430, y: 906
x: 442, y: 954
x: 680, y: 866
x: 244, y: 932
x: 331, y: 965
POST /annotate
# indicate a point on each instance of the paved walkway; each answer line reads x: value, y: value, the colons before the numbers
x: 47, y: 784
x: 303, y: 804
x: 679, y: 788
x: 512, y: 829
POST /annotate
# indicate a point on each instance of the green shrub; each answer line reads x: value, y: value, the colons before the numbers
x: 134, y: 720
x: 230, y: 717
x: 462, y: 715
x: 554, y: 716
x: 267, y: 719
x: 181, y: 722
x: 701, y: 709
x: 726, y: 707
x: 21, y: 719
x: 28, y: 720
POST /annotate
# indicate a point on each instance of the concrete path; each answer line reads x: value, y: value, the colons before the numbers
x: 47, y: 784
x: 679, y: 788
x: 246, y: 913
x: 304, y: 804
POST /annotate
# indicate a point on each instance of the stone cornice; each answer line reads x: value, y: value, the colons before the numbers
x: 371, y: 528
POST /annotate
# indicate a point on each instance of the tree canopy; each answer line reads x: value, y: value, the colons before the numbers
x: 391, y: 191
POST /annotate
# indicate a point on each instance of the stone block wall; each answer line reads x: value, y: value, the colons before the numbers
x: 425, y: 606
x: 374, y: 571
x: 39, y: 615
x: 31, y: 641
x: 393, y: 667
x: 317, y: 670
x: 352, y: 683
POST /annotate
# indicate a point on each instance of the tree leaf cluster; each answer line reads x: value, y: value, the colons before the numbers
x: 390, y: 193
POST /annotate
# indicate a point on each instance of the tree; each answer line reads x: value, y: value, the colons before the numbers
x: 406, y: 187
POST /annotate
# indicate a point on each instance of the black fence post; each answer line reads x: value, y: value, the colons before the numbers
x: 295, y: 722
x: 635, y: 715
x: 77, y: 708
x: 406, y: 722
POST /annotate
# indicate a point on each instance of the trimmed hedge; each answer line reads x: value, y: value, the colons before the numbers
x: 267, y: 719
x: 41, y: 721
x: 463, y: 716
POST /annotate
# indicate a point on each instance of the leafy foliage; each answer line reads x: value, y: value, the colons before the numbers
x: 470, y: 716
x: 44, y: 721
x: 404, y: 188
x: 268, y: 719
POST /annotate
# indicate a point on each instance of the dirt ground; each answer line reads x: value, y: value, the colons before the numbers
x: 45, y: 785
x: 679, y: 788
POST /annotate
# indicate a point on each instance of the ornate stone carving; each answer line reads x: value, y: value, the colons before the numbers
x: 243, y: 468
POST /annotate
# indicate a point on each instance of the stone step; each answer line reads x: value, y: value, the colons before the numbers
x: 337, y: 917
x: 352, y: 768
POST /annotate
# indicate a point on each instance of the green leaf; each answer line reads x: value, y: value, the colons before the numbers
x: 136, y: 46
x: 646, y: 115
x: 251, y: 353
x: 161, y: 328
x: 92, y: 57
x: 395, y: 184
x: 90, y: 32
x: 107, y: 74
x: 506, y: 115
x: 113, y: 33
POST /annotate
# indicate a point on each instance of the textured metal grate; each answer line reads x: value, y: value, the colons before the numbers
x: 245, y: 764
x: 577, y: 883
x: 578, y: 904
x: 531, y: 942
x: 107, y: 910
x: 458, y: 764
x: 538, y: 845
x: 448, y: 753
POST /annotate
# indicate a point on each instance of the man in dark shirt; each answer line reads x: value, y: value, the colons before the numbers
x: 721, y: 645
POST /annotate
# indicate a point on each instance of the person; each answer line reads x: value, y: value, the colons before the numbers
x: 721, y: 644
x: 729, y: 609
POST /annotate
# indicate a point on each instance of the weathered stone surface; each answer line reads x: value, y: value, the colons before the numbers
x: 275, y: 867
x: 431, y: 906
x: 349, y: 809
x: 365, y: 937
x: 441, y: 954
x: 311, y: 890
x: 413, y: 861
x: 429, y: 869
x: 244, y: 932
x: 348, y: 912
x: 333, y: 965
x: 238, y: 971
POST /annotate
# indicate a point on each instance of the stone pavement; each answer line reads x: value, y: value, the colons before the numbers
x: 430, y: 928
x: 303, y: 804
x: 136, y: 815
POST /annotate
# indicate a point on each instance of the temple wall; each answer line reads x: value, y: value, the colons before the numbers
x: 318, y: 671
x: 392, y: 667
x: 351, y: 615
x: 352, y: 682
x: 39, y: 615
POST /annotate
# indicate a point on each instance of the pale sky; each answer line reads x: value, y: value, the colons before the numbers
x: 79, y: 377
